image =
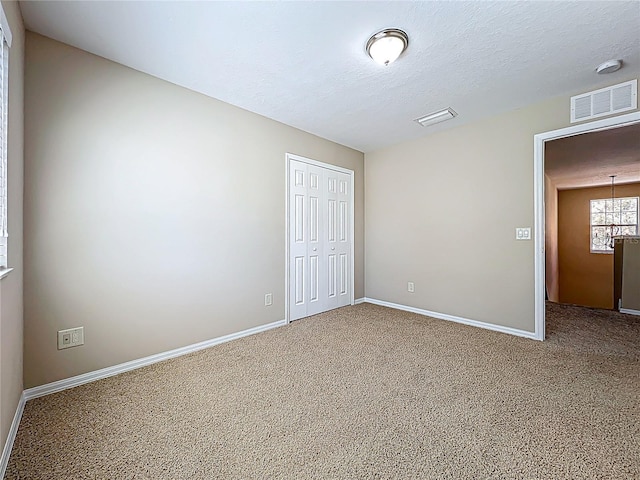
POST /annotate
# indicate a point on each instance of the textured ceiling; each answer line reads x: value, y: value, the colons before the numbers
x: 304, y: 64
x: 587, y: 160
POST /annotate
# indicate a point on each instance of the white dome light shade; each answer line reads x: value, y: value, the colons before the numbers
x: 609, y: 66
x: 386, y: 46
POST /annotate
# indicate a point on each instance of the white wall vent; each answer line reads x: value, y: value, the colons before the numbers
x: 606, y: 101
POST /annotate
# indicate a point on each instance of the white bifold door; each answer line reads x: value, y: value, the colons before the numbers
x: 320, y: 275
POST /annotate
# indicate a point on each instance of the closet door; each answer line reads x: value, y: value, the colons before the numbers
x: 319, y: 239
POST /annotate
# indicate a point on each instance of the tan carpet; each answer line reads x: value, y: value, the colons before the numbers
x: 361, y: 392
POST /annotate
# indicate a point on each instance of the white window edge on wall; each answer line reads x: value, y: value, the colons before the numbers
x: 8, y: 37
x: 4, y: 272
x: 6, y: 30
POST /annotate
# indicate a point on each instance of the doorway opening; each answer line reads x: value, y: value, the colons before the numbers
x: 540, y: 140
x: 583, y: 173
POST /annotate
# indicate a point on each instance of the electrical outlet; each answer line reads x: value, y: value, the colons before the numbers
x: 411, y: 287
x: 71, y: 337
x: 268, y: 299
x: 523, y: 233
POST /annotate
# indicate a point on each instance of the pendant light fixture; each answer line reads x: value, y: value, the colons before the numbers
x: 608, y: 229
x: 613, y: 229
x: 387, y: 45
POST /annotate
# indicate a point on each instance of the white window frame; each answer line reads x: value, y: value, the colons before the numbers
x: 5, y: 40
x: 592, y: 225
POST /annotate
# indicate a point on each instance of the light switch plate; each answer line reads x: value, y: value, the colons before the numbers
x: 523, y: 233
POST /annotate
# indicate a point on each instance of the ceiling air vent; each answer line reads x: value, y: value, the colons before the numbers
x: 606, y: 101
x: 437, y: 117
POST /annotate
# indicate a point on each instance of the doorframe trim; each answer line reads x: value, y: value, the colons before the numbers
x: 538, y: 200
x: 309, y: 161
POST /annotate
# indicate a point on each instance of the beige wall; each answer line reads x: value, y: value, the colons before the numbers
x: 11, y: 286
x: 631, y: 275
x: 154, y: 216
x: 442, y: 212
x: 585, y: 278
x: 551, y: 239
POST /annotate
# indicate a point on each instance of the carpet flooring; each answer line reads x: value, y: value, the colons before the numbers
x: 363, y: 392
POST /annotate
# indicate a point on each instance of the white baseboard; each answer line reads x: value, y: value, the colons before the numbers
x: 452, y: 318
x: 71, y: 382
x: 8, y: 446
x: 630, y: 311
x: 66, y: 383
x: 360, y: 300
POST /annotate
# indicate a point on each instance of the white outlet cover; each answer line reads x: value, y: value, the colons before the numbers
x: 523, y: 233
x: 71, y: 337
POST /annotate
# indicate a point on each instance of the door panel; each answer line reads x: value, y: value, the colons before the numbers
x: 338, y: 241
x: 313, y: 219
x: 313, y: 278
x: 332, y: 276
x: 299, y: 218
x: 344, y: 274
x: 332, y: 220
x: 298, y: 280
x: 342, y: 236
x: 298, y: 287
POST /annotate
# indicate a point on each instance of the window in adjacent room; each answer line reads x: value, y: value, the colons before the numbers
x: 5, y: 38
x: 618, y: 216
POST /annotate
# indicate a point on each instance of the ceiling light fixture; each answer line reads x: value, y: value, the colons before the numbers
x: 437, y: 117
x: 386, y: 46
x: 609, y: 66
